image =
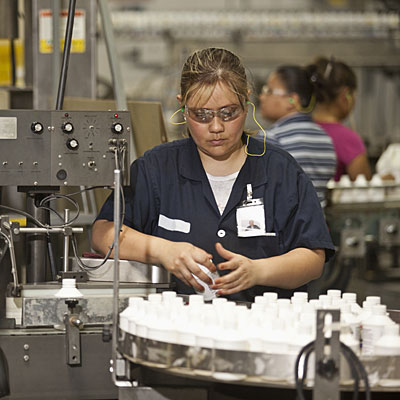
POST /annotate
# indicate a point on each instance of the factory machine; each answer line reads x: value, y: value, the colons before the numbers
x: 63, y: 343
x: 364, y: 218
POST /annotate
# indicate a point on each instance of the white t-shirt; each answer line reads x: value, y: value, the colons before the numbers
x: 222, y: 187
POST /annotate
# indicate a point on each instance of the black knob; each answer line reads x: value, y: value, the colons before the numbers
x: 61, y: 174
x: 37, y: 127
x: 72, y: 144
x: 117, y: 127
x: 67, y: 127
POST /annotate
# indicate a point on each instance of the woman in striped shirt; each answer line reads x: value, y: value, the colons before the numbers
x: 287, y: 100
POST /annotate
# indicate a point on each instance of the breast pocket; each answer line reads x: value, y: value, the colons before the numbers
x: 260, y: 246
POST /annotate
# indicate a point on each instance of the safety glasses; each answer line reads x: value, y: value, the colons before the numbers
x: 205, y: 115
x: 273, y: 92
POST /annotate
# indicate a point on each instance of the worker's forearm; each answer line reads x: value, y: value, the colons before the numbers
x: 292, y: 269
x: 133, y: 245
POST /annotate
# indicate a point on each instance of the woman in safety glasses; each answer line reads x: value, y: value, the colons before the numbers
x: 190, y: 201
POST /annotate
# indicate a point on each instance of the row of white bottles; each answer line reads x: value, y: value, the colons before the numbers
x: 270, y: 325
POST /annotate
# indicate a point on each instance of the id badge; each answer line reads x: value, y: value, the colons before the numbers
x: 250, y: 217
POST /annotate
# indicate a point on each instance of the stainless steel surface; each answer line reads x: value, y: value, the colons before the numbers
x: 38, y: 369
x: 9, y: 19
x: 39, y: 307
x: 82, y: 155
x: 247, y: 368
x: 82, y: 67
x: 129, y: 271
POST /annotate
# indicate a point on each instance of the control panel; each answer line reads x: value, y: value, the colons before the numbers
x: 63, y: 148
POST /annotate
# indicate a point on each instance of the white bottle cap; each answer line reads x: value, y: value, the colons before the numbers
x: 283, y: 303
x: 168, y: 295
x: 344, y: 181
x: 349, y: 297
x: 155, y: 297
x: 301, y: 295
x: 272, y: 296
x: 219, y: 300
x: 334, y: 293
x: 196, y: 299
x: 135, y: 301
x: 261, y: 300
x: 373, y: 299
x: 361, y: 181
x: 68, y: 290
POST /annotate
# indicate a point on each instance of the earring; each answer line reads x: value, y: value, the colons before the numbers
x: 291, y: 100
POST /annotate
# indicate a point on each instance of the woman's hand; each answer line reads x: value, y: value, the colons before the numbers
x: 182, y: 259
x: 243, y: 276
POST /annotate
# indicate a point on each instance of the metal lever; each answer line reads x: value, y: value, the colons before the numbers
x: 327, y: 356
x: 73, y: 325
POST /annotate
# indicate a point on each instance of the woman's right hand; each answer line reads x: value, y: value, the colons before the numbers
x: 182, y: 259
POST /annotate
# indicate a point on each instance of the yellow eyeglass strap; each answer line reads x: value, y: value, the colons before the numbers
x: 173, y: 115
x: 310, y: 106
x: 248, y: 137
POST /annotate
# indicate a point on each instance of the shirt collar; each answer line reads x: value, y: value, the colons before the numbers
x: 253, y: 171
x: 298, y: 117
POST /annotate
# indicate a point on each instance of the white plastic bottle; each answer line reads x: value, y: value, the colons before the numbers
x: 132, y: 309
x: 229, y: 337
x: 389, y: 343
x: 350, y: 320
x: 372, y: 328
x: 351, y: 298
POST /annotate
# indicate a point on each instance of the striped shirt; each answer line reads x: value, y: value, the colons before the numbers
x: 310, y: 145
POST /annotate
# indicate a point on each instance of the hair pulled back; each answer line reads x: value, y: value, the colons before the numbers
x: 205, y: 68
x: 297, y: 80
x: 329, y: 77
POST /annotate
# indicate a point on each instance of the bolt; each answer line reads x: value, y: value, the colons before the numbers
x: 26, y: 346
x: 26, y: 358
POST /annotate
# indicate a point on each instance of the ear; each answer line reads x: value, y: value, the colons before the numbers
x: 294, y: 101
x: 179, y: 98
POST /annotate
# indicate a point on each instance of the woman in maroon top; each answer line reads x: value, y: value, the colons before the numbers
x: 336, y: 84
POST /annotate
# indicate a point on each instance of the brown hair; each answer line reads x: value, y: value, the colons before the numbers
x: 329, y: 76
x: 204, y: 69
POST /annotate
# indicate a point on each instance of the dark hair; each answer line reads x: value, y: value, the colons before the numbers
x: 329, y: 76
x: 204, y: 69
x: 297, y: 80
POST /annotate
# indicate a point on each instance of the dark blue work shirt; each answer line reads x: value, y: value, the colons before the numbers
x: 170, y: 197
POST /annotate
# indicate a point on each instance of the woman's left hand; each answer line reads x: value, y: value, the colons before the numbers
x: 243, y: 276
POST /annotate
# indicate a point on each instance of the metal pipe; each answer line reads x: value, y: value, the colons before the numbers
x: 36, y: 244
x: 56, y: 45
x: 49, y: 230
x: 66, y: 242
x: 117, y: 227
x: 66, y: 54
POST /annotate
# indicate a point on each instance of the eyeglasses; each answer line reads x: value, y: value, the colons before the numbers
x: 273, y: 92
x: 205, y: 115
